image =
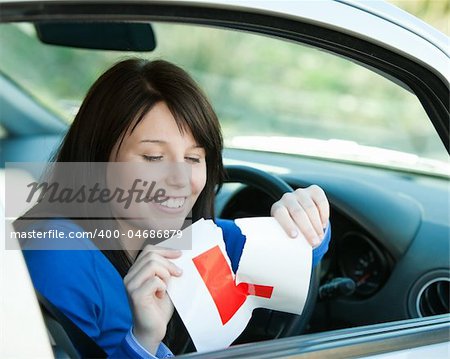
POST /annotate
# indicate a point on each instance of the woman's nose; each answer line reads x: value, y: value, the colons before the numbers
x: 178, y: 175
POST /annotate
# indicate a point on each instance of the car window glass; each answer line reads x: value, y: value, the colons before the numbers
x: 306, y: 100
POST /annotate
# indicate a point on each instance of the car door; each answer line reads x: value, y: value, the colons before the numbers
x: 402, y: 50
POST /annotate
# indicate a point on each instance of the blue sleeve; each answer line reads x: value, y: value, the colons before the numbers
x: 131, y: 349
x: 67, y: 279
x: 235, y: 241
x: 320, y: 251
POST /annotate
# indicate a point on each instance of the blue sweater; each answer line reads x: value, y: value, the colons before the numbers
x: 87, y: 288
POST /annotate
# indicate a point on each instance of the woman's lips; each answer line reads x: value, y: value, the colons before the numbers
x: 172, y: 205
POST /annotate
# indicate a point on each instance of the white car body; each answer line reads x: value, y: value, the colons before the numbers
x: 23, y: 333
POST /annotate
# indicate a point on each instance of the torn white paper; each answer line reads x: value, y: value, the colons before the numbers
x: 214, y: 304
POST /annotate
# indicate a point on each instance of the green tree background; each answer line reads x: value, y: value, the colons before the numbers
x: 434, y: 12
x: 286, y: 89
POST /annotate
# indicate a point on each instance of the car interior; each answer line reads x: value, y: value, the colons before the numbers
x: 372, y: 148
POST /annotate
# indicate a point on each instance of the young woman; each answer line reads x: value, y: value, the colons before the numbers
x: 146, y: 112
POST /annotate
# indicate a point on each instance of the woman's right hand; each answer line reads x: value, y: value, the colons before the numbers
x: 146, y: 284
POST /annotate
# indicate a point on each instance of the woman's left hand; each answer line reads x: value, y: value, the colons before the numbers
x: 305, y: 209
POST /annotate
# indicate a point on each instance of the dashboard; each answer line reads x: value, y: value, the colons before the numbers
x: 390, y: 235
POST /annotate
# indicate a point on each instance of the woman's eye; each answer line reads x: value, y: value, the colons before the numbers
x: 152, y: 158
x: 192, y: 159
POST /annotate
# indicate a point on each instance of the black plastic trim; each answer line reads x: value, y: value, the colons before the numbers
x: 363, y: 240
x: 419, y: 285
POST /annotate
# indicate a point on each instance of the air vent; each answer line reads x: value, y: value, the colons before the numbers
x: 433, y: 298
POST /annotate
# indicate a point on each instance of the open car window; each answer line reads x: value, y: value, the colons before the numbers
x: 325, y: 106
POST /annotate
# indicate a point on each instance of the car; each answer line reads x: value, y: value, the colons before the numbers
x: 350, y: 95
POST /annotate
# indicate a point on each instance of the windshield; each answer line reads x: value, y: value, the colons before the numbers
x: 269, y: 94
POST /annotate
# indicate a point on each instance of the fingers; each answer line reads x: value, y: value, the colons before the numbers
x: 306, y: 210
x: 153, y: 262
x: 321, y: 201
x: 150, y: 252
x: 292, y: 217
x: 152, y: 269
x: 152, y: 310
x: 146, y: 285
x: 155, y: 286
x: 309, y: 214
x: 281, y: 214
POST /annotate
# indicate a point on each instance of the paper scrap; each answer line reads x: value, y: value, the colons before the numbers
x: 216, y: 305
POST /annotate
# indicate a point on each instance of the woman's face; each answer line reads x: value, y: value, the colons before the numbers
x: 158, y: 157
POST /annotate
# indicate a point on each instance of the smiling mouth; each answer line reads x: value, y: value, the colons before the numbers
x: 173, y: 202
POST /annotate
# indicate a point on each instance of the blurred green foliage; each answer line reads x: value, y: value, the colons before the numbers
x: 434, y: 12
x: 258, y: 85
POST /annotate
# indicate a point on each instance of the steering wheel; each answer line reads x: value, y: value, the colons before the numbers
x: 269, y: 324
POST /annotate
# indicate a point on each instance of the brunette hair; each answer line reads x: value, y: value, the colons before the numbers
x: 117, y: 102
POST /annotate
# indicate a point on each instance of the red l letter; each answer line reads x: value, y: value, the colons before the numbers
x: 218, y: 278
